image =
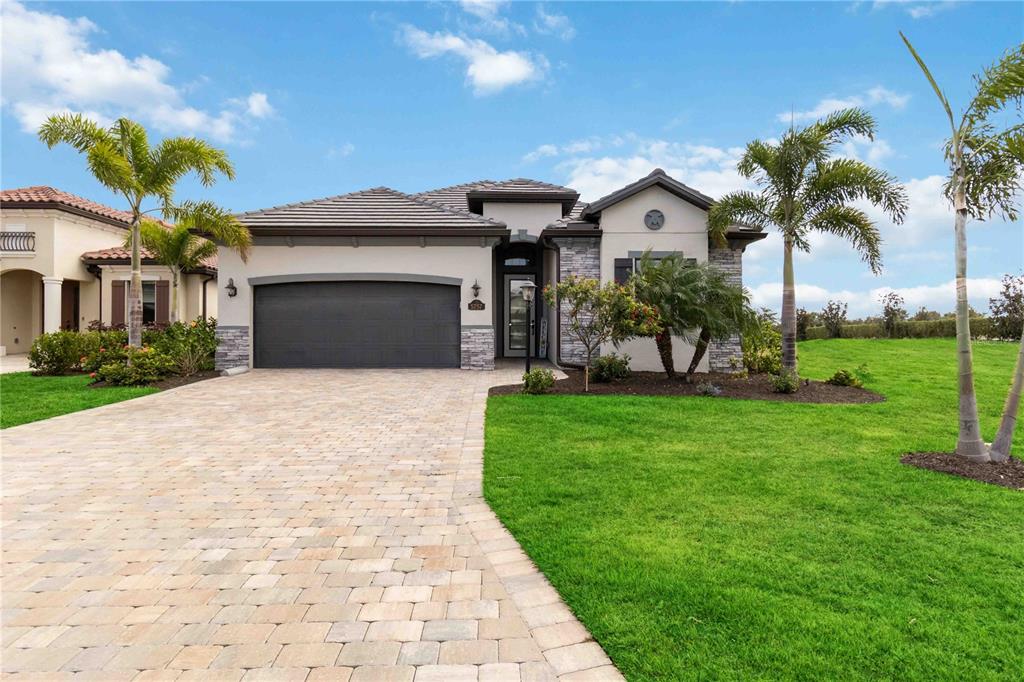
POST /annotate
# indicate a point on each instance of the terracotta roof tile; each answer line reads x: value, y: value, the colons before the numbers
x: 123, y: 253
x: 29, y: 197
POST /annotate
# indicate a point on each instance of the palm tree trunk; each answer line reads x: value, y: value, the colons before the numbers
x: 698, y: 353
x: 788, y: 309
x: 663, y: 340
x: 135, y: 287
x: 1000, y: 451
x: 969, y: 443
x: 174, y: 294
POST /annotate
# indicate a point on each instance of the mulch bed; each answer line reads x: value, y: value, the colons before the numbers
x: 172, y: 381
x: 754, y: 387
x: 1009, y: 474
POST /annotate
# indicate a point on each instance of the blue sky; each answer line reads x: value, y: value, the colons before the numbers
x: 316, y: 99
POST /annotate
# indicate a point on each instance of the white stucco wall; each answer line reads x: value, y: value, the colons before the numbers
x: 468, y: 261
x: 685, y: 230
x: 20, y: 310
x: 521, y: 216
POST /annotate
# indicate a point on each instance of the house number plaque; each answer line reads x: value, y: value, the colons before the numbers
x: 476, y: 304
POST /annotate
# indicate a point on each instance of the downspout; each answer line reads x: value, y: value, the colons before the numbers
x: 208, y: 278
x: 97, y: 271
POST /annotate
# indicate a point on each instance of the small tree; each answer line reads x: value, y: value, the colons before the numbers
x: 1008, y: 308
x: 833, y: 316
x: 925, y: 315
x: 805, y: 319
x: 694, y: 301
x: 181, y: 250
x: 894, y: 314
x: 600, y: 314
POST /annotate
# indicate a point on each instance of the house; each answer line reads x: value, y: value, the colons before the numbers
x: 63, y: 265
x: 379, y: 278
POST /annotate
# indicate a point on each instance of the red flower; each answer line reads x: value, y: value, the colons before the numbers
x: 92, y: 375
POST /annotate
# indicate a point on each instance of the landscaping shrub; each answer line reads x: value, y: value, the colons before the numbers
x: 611, y: 367
x: 709, y: 389
x: 56, y: 353
x: 894, y: 314
x: 538, y: 381
x: 762, y: 345
x: 981, y: 327
x: 804, y: 321
x: 191, y: 346
x: 784, y: 382
x: 845, y: 377
x: 140, y: 366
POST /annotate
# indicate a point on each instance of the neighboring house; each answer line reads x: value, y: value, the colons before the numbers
x: 379, y: 278
x: 63, y: 265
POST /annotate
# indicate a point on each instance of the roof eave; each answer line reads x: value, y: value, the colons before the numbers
x: 476, y: 198
x: 74, y: 210
x: 662, y: 180
x: 293, y: 231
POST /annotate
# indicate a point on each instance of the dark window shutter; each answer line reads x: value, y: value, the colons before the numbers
x: 163, y: 301
x: 623, y: 269
x: 117, y: 301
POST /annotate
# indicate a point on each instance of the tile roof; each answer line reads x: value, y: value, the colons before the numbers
x: 123, y: 253
x: 42, y: 196
x: 656, y: 177
x: 377, y: 208
x: 457, y: 197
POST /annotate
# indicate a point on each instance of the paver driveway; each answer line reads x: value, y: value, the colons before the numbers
x: 275, y: 525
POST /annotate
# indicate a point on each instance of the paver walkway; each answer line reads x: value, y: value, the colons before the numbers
x: 306, y: 525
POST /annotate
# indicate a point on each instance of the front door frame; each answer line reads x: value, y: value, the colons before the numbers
x: 507, y: 316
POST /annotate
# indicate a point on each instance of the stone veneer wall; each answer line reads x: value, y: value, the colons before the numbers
x: 232, y: 347
x: 477, y: 347
x: 580, y: 256
x: 722, y: 353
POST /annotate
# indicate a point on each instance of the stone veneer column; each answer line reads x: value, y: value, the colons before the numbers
x: 232, y: 347
x: 477, y: 347
x: 580, y: 256
x: 727, y: 355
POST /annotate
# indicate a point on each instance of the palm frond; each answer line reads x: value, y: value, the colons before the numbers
x: 844, y: 124
x: 1000, y: 84
x: 175, y: 157
x: 209, y: 220
x: 74, y: 130
x: 839, y: 181
x: 743, y: 207
x: 931, y: 79
x: 854, y: 226
x: 111, y: 168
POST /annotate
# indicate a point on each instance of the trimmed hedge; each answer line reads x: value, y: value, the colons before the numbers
x: 981, y: 327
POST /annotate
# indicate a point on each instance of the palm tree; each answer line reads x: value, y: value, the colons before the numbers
x: 695, y: 302
x: 985, y: 161
x: 181, y: 249
x: 121, y: 159
x: 804, y: 190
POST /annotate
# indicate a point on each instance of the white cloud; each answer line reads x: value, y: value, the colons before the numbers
x: 258, y: 106
x: 553, y: 24
x: 50, y: 66
x: 488, y: 18
x: 940, y: 297
x: 540, y: 152
x: 873, y: 151
x: 341, y: 151
x: 873, y: 96
x: 916, y: 9
x: 487, y: 70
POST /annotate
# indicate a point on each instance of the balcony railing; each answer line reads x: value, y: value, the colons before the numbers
x: 18, y: 242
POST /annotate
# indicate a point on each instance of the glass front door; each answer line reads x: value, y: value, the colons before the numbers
x: 517, y: 316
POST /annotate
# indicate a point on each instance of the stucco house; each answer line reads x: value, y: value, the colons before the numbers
x: 63, y: 265
x: 379, y: 278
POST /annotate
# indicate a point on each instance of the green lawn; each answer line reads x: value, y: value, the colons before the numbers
x: 708, y: 538
x: 25, y: 398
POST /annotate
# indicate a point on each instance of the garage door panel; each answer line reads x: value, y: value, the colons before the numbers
x: 356, y: 324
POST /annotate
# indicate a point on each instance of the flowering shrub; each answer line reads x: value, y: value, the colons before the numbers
x: 538, y: 381
x: 140, y: 366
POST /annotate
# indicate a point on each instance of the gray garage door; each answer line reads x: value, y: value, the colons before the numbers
x: 356, y: 324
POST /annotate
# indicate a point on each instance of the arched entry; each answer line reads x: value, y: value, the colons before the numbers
x: 21, y: 309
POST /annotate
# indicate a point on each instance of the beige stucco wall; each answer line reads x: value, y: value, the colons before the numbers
x: 468, y: 261
x: 20, y: 310
x: 518, y: 216
x: 191, y: 296
x: 685, y: 231
x: 61, y: 239
x: 190, y: 290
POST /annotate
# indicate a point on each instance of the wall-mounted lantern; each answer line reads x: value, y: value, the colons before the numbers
x: 231, y: 288
x: 476, y: 288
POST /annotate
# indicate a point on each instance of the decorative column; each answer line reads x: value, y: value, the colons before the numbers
x: 51, y: 303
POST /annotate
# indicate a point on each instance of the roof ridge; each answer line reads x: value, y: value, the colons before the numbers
x: 461, y: 185
x: 309, y: 202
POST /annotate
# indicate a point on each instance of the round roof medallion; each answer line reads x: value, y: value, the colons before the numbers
x: 654, y: 220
